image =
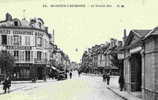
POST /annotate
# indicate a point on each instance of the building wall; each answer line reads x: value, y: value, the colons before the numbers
x: 101, y: 60
x: 24, y: 44
x: 127, y: 72
x: 22, y: 40
x: 150, y: 88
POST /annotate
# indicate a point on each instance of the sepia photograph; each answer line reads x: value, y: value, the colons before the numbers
x: 78, y: 50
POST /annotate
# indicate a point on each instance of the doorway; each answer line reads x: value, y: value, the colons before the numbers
x: 40, y: 73
x: 136, y: 72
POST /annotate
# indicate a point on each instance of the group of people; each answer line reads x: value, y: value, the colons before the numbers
x: 106, y: 78
x: 70, y: 73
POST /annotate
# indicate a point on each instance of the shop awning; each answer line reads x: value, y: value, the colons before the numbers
x: 110, y: 67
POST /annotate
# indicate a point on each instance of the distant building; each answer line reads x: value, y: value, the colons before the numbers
x: 60, y: 59
x: 29, y: 43
x: 110, y: 55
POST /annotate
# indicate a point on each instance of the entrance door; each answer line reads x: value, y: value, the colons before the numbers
x: 136, y: 71
x: 40, y: 73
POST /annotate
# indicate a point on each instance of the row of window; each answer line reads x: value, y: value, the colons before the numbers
x: 42, y: 42
x: 17, y: 40
x: 27, y: 55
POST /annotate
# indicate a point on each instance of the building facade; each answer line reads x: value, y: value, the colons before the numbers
x: 140, y: 63
x: 110, y: 53
x: 28, y: 42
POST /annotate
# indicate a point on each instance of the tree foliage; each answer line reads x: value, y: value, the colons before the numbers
x: 7, y: 62
x: 115, y: 61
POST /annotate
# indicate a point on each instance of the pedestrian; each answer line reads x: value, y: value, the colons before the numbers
x: 108, y: 78
x: 79, y: 72
x: 121, y: 82
x: 70, y: 75
x: 104, y: 77
x: 6, y: 84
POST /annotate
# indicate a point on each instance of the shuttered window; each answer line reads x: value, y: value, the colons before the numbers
x: 27, y: 40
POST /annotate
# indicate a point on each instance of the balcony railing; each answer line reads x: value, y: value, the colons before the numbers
x: 40, y: 61
x: 17, y: 60
x: 35, y: 61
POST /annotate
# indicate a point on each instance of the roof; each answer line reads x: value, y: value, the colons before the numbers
x: 141, y: 33
x: 2, y: 21
x: 134, y: 38
x: 9, y: 22
x: 154, y: 31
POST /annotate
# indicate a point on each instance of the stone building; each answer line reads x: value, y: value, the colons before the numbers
x: 132, y: 60
x: 59, y: 59
x: 140, y: 63
x: 29, y: 43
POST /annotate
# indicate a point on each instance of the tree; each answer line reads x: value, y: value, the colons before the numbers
x: 7, y: 62
x: 117, y: 62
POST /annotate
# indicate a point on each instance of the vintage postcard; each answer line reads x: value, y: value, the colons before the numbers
x: 78, y: 50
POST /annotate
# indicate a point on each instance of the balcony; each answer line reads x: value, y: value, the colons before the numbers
x: 40, y: 61
x: 17, y: 60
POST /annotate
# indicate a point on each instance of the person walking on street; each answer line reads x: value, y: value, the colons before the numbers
x: 79, y: 72
x: 70, y: 74
x: 6, y: 84
x: 104, y: 77
x: 121, y: 82
x: 108, y: 78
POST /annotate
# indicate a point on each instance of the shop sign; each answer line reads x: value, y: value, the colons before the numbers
x: 135, y: 50
x: 18, y: 31
x: 23, y: 32
x: 120, y: 55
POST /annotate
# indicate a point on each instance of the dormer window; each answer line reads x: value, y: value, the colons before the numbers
x: 39, y: 25
x: 16, y: 23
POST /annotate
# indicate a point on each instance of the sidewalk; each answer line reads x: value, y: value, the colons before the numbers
x: 19, y: 85
x: 114, y: 87
x: 29, y: 81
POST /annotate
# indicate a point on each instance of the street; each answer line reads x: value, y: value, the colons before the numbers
x: 85, y: 87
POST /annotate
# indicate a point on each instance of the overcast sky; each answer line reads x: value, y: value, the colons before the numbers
x: 84, y: 27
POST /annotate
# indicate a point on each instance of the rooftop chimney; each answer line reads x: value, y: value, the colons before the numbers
x: 125, y: 36
x: 46, y: 29
x: 8, y: 17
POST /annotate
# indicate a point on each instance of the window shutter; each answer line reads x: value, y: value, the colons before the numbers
x: 8, y: 40
x: 12, y: 53
x: 20, y: 55
x: 20, y: 40
x: 31, y: 55
x: 23, y: 53
x: 11, y: 38
x: 25, y: 40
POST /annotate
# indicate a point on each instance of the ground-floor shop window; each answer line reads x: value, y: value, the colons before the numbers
x: 24, y: 73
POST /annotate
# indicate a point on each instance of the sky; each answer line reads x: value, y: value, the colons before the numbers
x: 82, y: 28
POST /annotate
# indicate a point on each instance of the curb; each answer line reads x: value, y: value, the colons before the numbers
x: 124, y: 98
x: 25, y: 82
